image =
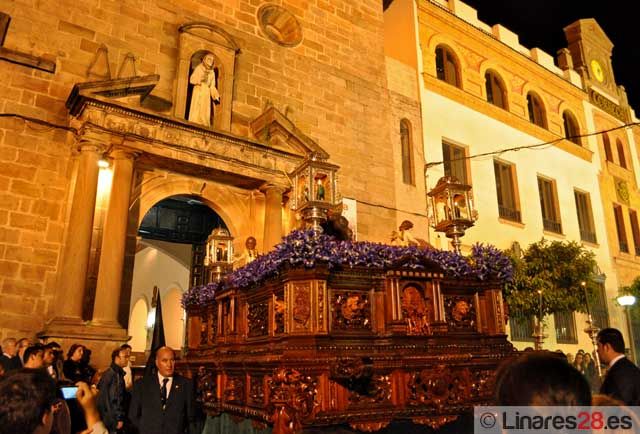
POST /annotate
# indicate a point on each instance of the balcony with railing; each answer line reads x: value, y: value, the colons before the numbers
x: 508, y: 213
x: 552, y: 226
x: 588, y: 236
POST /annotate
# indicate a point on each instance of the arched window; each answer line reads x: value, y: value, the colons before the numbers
x: 571, y: 129
x: 536, y: 110
x: 495, y: 89
x: 406, y: 149
x: 621, y: 156
x: 447, y: 66
x: 607, y: 147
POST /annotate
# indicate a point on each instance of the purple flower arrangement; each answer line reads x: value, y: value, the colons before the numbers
x: 305, y: 249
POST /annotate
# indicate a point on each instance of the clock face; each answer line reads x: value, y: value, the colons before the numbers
x: 597, y: 70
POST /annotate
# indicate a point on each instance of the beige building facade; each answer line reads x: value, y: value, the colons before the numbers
x: 484, y: 94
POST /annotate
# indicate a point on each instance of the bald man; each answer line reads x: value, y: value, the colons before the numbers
x: 163, y: 403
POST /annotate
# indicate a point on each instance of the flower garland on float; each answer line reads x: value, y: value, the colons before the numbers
x: 305, y: 249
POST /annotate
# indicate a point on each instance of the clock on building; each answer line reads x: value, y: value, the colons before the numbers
x: 597, y: 70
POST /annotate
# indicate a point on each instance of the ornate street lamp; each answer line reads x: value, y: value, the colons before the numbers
x: 591, y: 329
x: 314, y: 191
x: 218, y: 258
x: 452, y: 209
x: 626, y: 301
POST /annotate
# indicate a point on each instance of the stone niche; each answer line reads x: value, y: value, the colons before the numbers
x: 196, y: 39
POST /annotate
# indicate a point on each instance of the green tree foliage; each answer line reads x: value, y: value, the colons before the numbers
x: 557, y: 269
x: 633, y: 289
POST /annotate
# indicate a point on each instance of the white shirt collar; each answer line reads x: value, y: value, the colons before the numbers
x: 612, y: 362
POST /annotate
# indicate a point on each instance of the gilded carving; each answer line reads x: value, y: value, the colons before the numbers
x: 279, y: 309
x: 204, y: 329
x: 292, y: 399
x: 369, y: 426
x: 256, y: 391
x: 206, y: 386
x: 234, y: 390
x: 213, y: 322
x: 434, y: 422
x: 302, y: 305
x: 439, y: 386
x: 483, y: 384
x: 351, y: 311
x: 460, y: 312
x: 258, y: 319
x: 415, y: 311
x: 378, y: 392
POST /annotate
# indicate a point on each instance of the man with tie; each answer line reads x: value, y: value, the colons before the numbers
x: 163, y: 402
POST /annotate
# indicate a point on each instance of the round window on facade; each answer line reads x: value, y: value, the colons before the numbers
x: 279, y: 25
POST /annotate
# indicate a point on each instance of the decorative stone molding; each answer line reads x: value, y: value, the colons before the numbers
x: 279, y: 25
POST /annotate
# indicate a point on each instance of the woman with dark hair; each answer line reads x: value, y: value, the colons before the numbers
x: 74, y: 367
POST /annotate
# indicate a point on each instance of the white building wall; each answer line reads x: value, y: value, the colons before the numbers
x: 444, y: 119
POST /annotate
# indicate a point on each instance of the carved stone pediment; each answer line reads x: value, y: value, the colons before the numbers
x: 278, y: 132
x: 122, y: 89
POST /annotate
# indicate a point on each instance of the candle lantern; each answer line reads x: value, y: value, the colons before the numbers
x: 452, y: 209
x: 314, y: 190
x: 219, y: 254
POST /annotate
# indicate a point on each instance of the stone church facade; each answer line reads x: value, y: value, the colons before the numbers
x: 109, y: 80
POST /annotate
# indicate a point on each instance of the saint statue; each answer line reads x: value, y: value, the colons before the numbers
x: 250, y: 252
x: 204, y: 91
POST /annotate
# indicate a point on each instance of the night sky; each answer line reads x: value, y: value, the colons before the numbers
x: 539, y: 23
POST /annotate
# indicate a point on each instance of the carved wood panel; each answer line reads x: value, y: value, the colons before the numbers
x: 350, y: 310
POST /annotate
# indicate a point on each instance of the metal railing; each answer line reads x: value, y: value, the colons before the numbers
x: 509, y: 213
x: 551, y: 226
x: 588, y: 236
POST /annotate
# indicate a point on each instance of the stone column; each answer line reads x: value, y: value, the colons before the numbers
x: 272, y: 215
x: 114, y: 236
x: 73, y: 274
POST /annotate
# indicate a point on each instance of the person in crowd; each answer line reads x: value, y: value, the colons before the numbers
x: 541, y: 379
x: 163, y: 402
x: 2, y: 371
x: 89, y: 372
x: 22, y: 345
x: 28, y: 403
x: 622, y: 381
x: 34, y: 357
x: 9, y: 359
x: 72, y: 367
x: 128, y: 374
x: 111, y: 396
x: 578, y: 361
x: 570, y: 358
x: 590, y: 371
x: 52, y: 359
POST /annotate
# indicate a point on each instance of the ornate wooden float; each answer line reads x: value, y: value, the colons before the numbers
x: 314, y: 347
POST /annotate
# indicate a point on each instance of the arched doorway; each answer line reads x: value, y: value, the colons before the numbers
x: 168, y: 256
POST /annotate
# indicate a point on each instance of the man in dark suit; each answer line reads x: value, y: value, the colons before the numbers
x: 9, y: 358
x: 622, y: 381
x: 163, y: 403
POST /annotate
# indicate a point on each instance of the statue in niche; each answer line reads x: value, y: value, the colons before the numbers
x: 204, y: 92
x: 320, y: 188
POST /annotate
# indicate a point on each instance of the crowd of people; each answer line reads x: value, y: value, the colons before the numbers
x: 42, y: 393
x: 162, y: 402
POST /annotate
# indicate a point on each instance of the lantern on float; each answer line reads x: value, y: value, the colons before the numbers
x: 314, y: 191
x: 219, y: 254
x: 452, y: 211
